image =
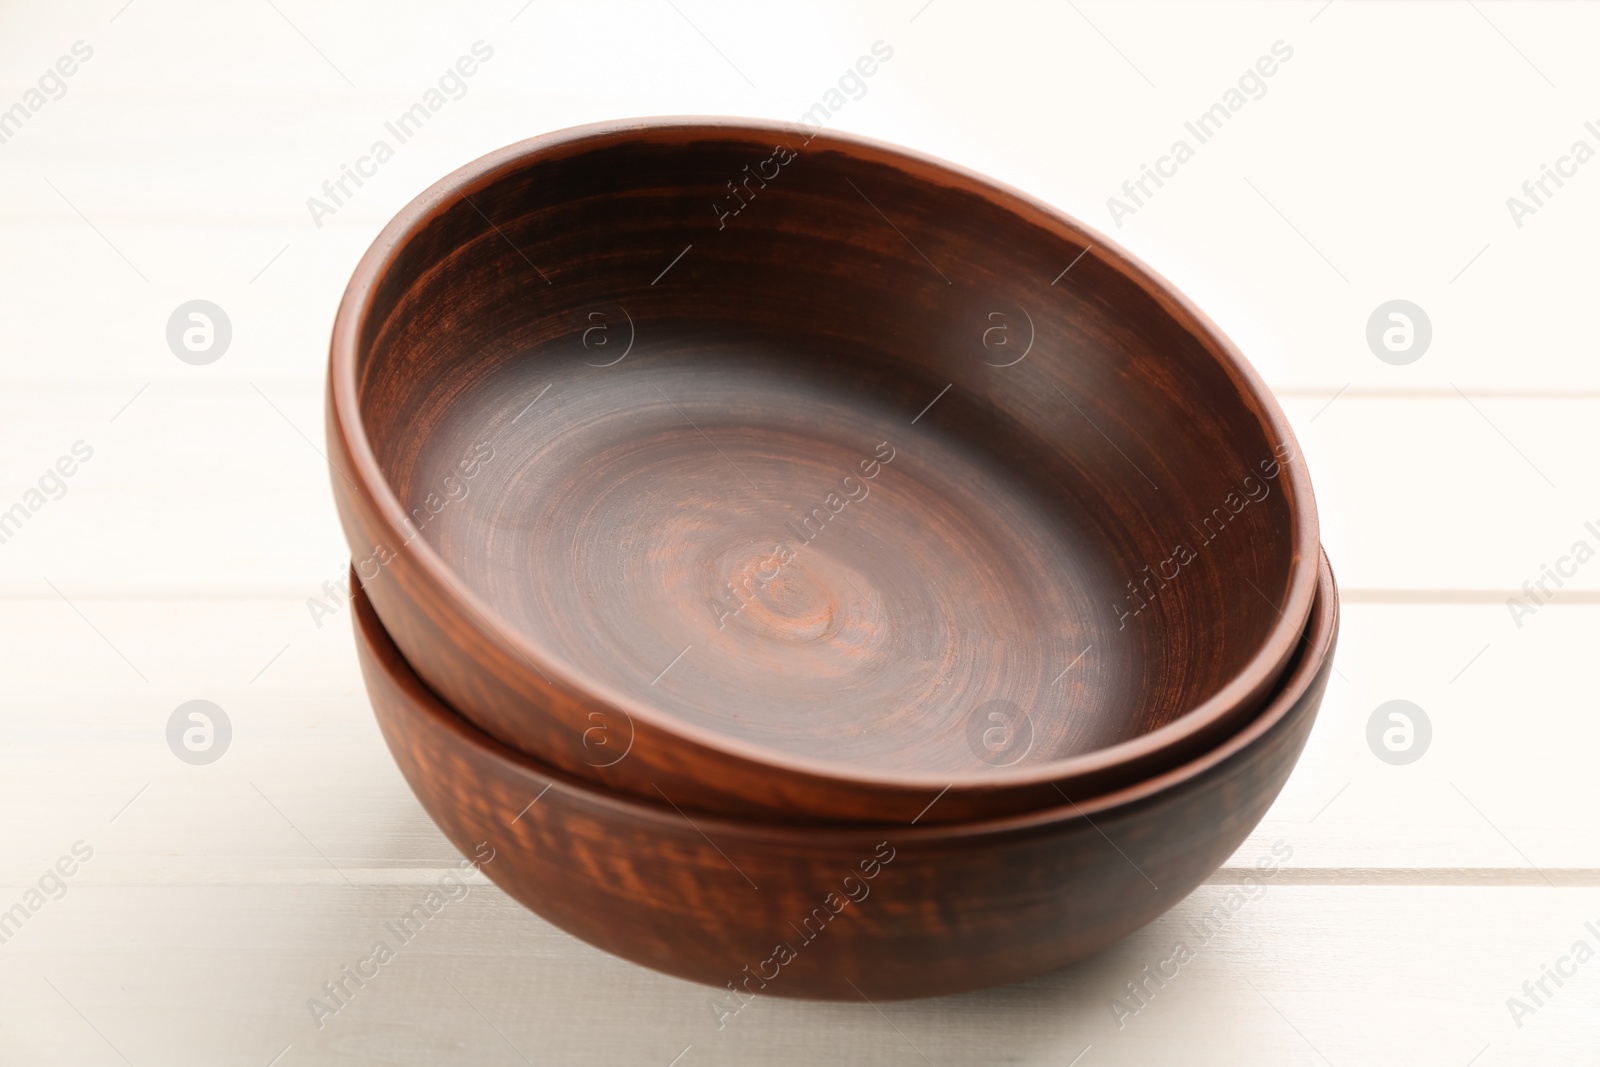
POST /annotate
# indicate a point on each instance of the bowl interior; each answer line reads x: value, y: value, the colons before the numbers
x: 827, y: 449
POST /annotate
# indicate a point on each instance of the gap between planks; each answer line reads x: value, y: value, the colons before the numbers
x: 1310, y: 877
x: 1472, y: 877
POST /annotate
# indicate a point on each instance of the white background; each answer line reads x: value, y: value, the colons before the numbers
x: 179, y: 562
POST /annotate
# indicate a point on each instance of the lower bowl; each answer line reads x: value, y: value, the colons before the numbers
x: 840, y: 912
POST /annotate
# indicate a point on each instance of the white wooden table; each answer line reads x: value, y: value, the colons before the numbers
x: 175, y: 562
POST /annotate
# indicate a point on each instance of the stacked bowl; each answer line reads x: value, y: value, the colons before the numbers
x: 811, y: 568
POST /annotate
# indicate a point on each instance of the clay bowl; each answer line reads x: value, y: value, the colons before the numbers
x: 890, y: 484
x: 840, y: 911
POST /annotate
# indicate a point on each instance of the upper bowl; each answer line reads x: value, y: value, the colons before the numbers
x: 766, y: 471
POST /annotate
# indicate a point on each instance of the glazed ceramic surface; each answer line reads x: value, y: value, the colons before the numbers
x: 814, y: 477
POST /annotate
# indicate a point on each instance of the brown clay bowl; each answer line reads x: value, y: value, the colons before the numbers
x: 881, y: 911
x: 892, y: 483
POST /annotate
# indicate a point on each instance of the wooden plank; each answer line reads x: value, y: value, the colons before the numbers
x: 220, y: 488
x: 307, y: 793
x: 1284, y: 974
x: 1279, y: 227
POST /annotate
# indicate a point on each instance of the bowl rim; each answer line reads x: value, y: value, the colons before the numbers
x: 1253, y: 680
x: 1321, y: 635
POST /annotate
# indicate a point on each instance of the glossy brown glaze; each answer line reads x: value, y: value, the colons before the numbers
x: 821, y: 492
x: 897, y: 910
